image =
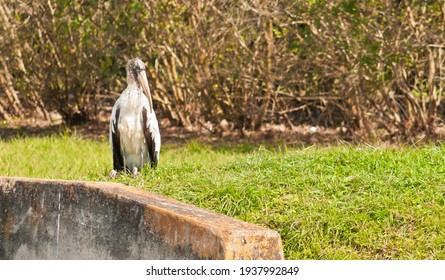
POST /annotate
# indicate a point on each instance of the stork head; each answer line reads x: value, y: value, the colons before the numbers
x: 136, y: 73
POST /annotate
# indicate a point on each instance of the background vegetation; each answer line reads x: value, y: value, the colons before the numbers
x: 343, y: 202
x: 366, y: 66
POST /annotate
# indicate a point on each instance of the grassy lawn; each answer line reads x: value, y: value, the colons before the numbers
x: 343, y: 202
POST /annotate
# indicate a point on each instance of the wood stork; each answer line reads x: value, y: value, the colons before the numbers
x: 134, y: 130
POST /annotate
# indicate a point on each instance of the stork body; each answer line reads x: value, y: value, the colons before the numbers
x: 134, y: 130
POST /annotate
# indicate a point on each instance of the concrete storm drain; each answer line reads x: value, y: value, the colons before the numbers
x: 55, y: 219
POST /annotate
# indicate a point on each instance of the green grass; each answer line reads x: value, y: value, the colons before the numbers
x: 344, y: 202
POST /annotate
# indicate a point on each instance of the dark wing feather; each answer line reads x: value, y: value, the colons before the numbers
x: 151, y: 144
x: 118, y: 159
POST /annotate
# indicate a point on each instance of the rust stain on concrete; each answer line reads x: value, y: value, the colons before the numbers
x: 7, y: 226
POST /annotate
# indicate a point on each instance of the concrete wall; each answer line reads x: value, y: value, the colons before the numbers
x: 54, y: 219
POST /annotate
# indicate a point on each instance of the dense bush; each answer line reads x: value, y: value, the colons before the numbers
x: 363, y: 65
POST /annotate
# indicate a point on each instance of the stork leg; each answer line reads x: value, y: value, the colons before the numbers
x: 113, y: 174
x: 134, y: 171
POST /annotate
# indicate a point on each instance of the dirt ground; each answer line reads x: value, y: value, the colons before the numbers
x: 98, y: 130
x: 303, y: 135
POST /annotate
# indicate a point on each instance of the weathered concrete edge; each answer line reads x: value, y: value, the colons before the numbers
x: 209, y: 234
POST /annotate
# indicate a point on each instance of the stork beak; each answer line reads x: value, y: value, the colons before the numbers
x: 143, y: 81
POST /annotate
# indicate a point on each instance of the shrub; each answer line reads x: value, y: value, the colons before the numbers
x: 363, y: 65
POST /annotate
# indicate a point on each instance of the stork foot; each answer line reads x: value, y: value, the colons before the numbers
x: 113, y: 174
x: 135, y: 171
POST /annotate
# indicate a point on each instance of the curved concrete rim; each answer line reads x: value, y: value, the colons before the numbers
x: 61, y: 219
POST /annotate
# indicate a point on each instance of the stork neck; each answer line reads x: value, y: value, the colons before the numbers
x: 131, y: 79
x: 134, y: 87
